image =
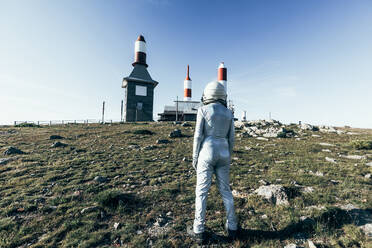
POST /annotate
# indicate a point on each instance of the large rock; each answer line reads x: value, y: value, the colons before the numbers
x: 274, y: 193
x: 186, y: 124
x: 100, y: 179
x: 308, y: 127
x: 13, y: 150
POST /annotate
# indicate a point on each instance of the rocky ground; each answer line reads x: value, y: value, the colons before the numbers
x: 132, y: 185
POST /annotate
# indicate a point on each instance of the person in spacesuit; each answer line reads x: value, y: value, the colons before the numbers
x: 212, y: 149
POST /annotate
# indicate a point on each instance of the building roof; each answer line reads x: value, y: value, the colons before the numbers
x: 139, y: 74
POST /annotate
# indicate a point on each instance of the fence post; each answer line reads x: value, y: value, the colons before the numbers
x: 50, y: 123
x: 103, y: 112
x: 15, y: 123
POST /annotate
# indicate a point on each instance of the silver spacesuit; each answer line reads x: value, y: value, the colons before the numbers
x: 213, y: 145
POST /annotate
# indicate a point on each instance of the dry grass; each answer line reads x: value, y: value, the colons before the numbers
x: 43, y: 192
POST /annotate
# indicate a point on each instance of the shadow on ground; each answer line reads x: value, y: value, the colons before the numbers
x: 332, y: 219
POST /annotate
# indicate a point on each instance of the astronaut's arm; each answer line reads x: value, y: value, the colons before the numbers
x: 231, y: 136
x: 198, y: 137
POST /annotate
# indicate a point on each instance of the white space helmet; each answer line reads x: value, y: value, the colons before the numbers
x: 214, y: 91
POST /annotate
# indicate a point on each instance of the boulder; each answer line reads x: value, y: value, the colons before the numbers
x: 308, y: 127
x: 176, y: 133
x: 100, y: 179
x: 186, y: 124
x: 13, y: 150
x: 274, y: 193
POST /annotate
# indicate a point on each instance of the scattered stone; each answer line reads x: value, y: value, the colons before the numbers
x: 367, y: 229
x: 353, y: 157
x: 315, y: 135
x: 186, y: 124
x: 13, y: 150
x: 280, y: 162
x: 162, y: 141
x: 332, y: 160
x: 263, y: 182
x: 325, y: 144
x: 238, y: 194
x: 54, y: 137
x: 348, y: 207
x: 76, y: 193
x: 89, y: 209
x: 274, y: 193
x: 116, y: 225
x: 311, y: 244
x: 148, y: 148
x: 319, y: 174
x: 326, y: 150
x: 58, y: 144
x: 308, y: 127
x: 352, y: 133
x: 39, y: 200
x: 100, y: 179
x: 291, y: 246
x: 327, y: 129
x: 133, y: 146
x: 4, y: 161
x: 160, y: 227
x: 368, y: 176
x: 334, y: 181
x: 264, y: 216
x: 176, y: 133
x: 139, y: 232
x: 262, y: 138
x: 369, y: 164
x: 308, y: 189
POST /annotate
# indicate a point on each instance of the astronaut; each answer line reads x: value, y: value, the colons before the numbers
x: 212, y: 149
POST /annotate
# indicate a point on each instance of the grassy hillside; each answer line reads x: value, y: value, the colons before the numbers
x: 114, y: 185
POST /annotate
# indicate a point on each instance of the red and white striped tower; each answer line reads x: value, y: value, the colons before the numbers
x: 222, y: 75
x: 140, y: 51
x: 187, y: 86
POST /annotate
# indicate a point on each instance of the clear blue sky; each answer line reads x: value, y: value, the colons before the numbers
x: 299, y: 60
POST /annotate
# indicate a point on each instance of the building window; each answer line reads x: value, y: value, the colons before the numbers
x: 141, y: 90
x: 139, y: 105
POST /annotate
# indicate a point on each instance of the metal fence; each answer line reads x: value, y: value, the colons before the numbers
x: 63, y: 122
